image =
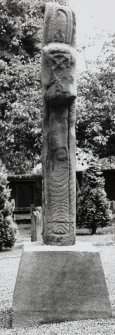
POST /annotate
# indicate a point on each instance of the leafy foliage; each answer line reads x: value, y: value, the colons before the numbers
x: 93, y: 207
x: 20, y: 87
x: 7, y: 225
x: 95, y: 124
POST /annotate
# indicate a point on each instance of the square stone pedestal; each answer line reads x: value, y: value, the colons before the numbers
x: 57, y: 284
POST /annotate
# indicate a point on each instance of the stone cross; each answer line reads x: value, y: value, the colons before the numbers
x: 58, y: 155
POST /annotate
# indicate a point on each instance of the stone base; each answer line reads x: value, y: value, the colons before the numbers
x: 57, y: 284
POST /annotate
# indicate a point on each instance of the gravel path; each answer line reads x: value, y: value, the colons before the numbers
x: 89, y: 327
x: 9, y: 262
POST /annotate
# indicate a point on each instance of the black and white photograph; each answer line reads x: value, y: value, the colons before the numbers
x: 57, y: 167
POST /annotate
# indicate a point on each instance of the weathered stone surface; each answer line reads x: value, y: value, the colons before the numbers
x: 58, y: 72
x: 59, y: 92
x: 36, y: 224
x: 60, y: 2
x: 59, y: 25
x: 59, y: 284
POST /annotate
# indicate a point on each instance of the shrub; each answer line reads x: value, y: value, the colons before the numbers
x: 7, y: 225
x: 93, y: 207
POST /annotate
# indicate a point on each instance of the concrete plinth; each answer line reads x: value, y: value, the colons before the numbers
x: 57, y: 284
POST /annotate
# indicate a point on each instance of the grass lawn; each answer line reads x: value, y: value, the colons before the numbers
x: 104, y: 240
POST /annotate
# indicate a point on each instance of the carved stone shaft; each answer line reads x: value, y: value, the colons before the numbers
x: 59, y: 93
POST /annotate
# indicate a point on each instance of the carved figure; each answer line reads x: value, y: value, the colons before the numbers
x: 59, y: 93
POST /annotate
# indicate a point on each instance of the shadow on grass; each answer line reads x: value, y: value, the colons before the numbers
x: 6, y: 318
x: 110, y: 229
x: 80, y: 233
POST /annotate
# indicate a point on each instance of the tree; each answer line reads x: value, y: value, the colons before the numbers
x: 93, y: 207
x: 95, y: 119
x: 20, y: 86
x: 7, y: 225
x: 21, y: 125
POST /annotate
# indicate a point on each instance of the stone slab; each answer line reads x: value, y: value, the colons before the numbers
x: 57, y: 284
